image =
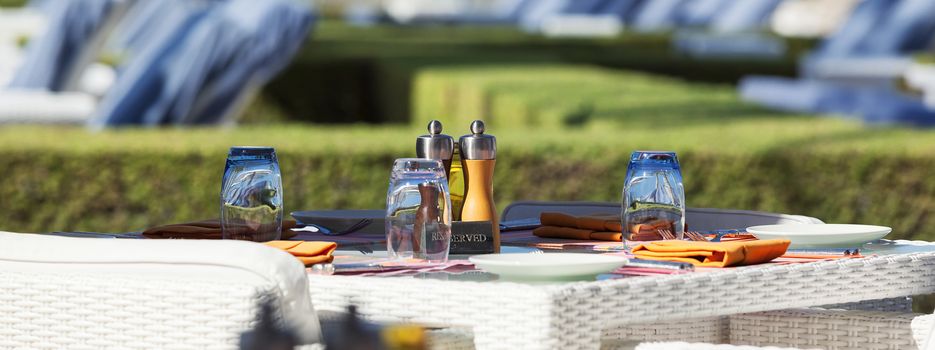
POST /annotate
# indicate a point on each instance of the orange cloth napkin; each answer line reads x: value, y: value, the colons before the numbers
x: 309, y: 253
x: 205, y: 229
x: 711, y: 254
x: 589, y: 227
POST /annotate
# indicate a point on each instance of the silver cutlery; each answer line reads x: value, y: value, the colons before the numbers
x: 666, y: 234
x: 826, y: 251
x: 363, y: 249
x: 695, y: 236
x: 520, y: 224
x: 691, y: 235
x: 353, y: 228
x: 657, y: 264
x: 96, y: 234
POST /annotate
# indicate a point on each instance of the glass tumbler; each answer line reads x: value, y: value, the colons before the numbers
x: 251, y: 195
x: 418, y: 211
x: 653, y: 197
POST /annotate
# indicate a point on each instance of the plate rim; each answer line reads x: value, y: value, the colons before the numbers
x: 480, y: 257
x: 885, y: 230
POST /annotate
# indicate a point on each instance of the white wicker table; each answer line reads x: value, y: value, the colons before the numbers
x: 507, y: 315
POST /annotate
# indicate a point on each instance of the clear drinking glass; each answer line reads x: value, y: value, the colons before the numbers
x: 251, y: 195
x: 653, y: 197
x: 418, y: 210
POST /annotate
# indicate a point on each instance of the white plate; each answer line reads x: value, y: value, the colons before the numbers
x: 821, y: 235
x: 548, y: 265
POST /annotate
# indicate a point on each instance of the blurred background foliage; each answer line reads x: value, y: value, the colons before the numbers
x: 12, y: 3
x: 348, y: 74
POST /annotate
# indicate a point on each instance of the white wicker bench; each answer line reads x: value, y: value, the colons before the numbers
x: 59, y: 292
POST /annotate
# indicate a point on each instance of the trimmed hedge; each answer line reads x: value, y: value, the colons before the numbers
x: 734, y: 155
x: 68, y: 179
x: 347, y: 74
x: 566, y: 96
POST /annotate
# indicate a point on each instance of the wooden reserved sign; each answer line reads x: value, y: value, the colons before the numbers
x: 471, y: 237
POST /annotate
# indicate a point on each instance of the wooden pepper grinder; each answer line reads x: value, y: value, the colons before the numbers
x: 478, y: 157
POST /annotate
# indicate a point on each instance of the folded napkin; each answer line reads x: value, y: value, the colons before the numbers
x: 309, y: 253
x: 589, y: 227
x: 206, y: 229
x: 713, y: 254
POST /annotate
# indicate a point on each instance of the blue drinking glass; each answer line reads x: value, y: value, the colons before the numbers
x: 251, y: 195
x: 653, y: 197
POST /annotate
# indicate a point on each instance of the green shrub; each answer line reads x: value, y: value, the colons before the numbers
x: 562, y: 96
x: 70, y: 179
x: 347, y: 74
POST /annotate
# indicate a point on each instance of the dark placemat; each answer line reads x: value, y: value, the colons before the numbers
x: 351, y: 239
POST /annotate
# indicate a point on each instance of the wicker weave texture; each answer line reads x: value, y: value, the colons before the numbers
x: 707, y: 332
x: 716, y: 329
x: 826, y: 329
x: 900, y: 304
x: 450, y: 339
x: 696, y: 330
x: 93, y: 312
x: 701, y: 346
x: 573, y: 315
x: 501, y: 315
x: 758, y: 288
